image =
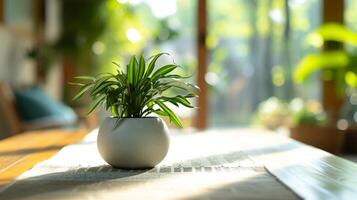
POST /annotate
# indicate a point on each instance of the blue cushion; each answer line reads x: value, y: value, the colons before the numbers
x: 33, y: 104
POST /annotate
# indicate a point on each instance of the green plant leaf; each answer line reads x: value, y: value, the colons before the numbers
x: 160, y: 112
x: 191, y: 95
x: 130, y: 70
x: 170, y: 113
x: 180, y: 85
x: 176, y: 76
x: 183, y: 101
x: 139, y: 91
x: 85, y: 78
x: 122, y: 79
x: 151, y: 65
x: 136, y: 71
x: 96, y: 103
x: 177, y: 100
x: 99, y: 82
x: 337, y: 32
x: 77, y: 84
x: 163, y: 71
x: 314, y: 62
x: 141, y: 68
x: 82, y: 90
x: 114, y: 111
x: 173, y: 101
x: 101, y: 87
x: 116, y: 64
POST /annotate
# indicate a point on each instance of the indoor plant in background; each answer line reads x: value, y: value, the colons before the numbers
x: 309, y: 124
x: 272, y: 114
x: 132, y: 137
x: 338, y: 66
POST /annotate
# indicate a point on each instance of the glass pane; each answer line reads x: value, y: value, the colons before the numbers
x: 19, y: 14
x: 254, y: 47
x: 152, y: 27
x: 351, y: 14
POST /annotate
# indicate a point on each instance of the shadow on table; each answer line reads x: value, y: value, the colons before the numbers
x: 262, y: 186
x: 73, y: 184
x: 65, y: 183
x: 25, y: 151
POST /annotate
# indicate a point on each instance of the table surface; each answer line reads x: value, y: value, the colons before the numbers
x: 19, y: 153
x: 215, y: 164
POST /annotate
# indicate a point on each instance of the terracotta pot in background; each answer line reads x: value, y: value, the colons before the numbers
x: 326, y: 138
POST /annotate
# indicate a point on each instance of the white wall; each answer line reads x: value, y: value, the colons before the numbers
x: 16, y: 36
x: 15, y: 67
x: 54, y: 84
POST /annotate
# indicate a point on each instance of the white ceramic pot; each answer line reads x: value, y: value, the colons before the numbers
x: 133, y: 143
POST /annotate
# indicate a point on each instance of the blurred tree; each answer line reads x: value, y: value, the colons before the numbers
x: 253, y: 51
x: 96, y: 33
x: 82, y: 25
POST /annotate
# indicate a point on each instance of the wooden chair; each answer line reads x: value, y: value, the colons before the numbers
x: 10, y: 123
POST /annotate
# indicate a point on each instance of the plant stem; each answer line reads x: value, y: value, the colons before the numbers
x: 115, y: 111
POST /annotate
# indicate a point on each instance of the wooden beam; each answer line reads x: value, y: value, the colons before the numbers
x: 7, y: 106
x: 39, y: 18
x: 333, y: 11
x: 39, y: 13
x: 2, y: 11
x: 202, y: 113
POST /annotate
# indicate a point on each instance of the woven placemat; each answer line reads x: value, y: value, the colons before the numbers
x: 198, y: 166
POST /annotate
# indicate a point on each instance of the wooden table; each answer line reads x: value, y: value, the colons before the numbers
x: 249, y: 155
x: 19, y: 153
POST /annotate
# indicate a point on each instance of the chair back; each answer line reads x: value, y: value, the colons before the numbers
x: 10, y: 123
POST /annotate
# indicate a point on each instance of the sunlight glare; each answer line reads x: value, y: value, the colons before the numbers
x: 162, y: 9
x: 133, y: 35
x: 277, y: 16
x: 98, y: 47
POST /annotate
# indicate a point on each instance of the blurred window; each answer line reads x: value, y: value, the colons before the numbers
x: 254, y: 46
x: 351, y: 14
x: 153, y: 26
x: 19, y: 14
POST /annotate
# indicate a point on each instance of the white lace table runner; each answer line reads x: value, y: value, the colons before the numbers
x: 198, y: 166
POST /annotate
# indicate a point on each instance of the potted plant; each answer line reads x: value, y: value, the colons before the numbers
x: 309, y: 124
x: 272, y: 114
x: 338, y: 66
x: 132, y: 137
